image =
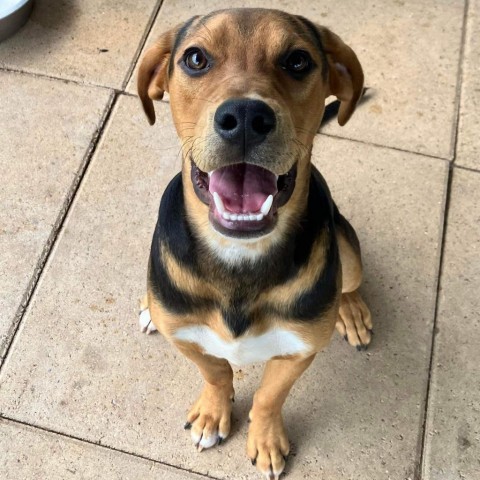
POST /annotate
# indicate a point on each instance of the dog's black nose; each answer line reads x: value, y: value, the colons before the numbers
x: 244, y: 121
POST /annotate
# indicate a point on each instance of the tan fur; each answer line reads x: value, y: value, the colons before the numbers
x: 248, y: 45
x: 351, y: 265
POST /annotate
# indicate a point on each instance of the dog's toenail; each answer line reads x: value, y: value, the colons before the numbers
x: 254, y: 461
x: 187, y: 426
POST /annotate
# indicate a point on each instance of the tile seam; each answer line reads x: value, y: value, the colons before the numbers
x: 51, y: 241
x: 388, y: 147
x: 460, y: 78
x: 141, y: 45
x: 421, y: 467
x: 419, y: 473
x: 468, y: 169
x: 55, y: 78
x: 102, y: 446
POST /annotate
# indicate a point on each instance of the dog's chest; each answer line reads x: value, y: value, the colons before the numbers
x: 245, y: 349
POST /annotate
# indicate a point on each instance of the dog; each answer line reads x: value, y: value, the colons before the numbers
x: 251, y: 260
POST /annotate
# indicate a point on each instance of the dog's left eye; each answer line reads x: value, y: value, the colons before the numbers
x: 195, y: 59
x: 298, y: 62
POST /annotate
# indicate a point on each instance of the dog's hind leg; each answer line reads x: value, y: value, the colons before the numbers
x: 354, y: 320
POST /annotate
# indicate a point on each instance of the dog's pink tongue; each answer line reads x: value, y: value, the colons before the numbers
x: 243, y: 187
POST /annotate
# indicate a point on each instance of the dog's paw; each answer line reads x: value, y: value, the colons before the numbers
x: 267, y: 444
x: 354, y: 321
x: 209, y: 418
x: 145, y: 322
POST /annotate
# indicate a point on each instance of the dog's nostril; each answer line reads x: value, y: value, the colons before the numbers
x: 229, y: 122
x: 261, y: 125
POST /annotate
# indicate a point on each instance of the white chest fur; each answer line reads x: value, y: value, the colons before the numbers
x: 246, y: 349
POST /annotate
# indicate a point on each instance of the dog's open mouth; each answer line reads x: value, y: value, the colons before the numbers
x: 243, y: 198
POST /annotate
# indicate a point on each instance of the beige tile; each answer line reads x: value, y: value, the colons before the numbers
x: 453, y: 423
x: 468, y: 148
x: 43, y: 144
x: 409, y: 51
x: 32, y: 454
x: 79, y: 365
x: 88, y: 41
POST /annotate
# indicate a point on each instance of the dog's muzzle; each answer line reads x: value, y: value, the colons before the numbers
x: 243, y: 198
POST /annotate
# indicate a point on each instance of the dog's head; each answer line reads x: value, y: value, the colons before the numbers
x: 247, y: 91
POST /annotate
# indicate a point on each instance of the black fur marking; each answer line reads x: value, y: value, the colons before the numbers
x: 343, y: 225
x: 236, y: 318
x: 182, y: 33
x: 243, y: 282
x: 319, y: 217
x: 172, y: 231
x: 311, y: 304
x: 312, y: 29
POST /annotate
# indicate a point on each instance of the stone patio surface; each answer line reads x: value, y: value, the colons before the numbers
x: 85, y: 395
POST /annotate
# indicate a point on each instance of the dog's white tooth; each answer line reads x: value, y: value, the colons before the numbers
x: 233, y: 216
x: 259, y: 217
x: 252, y: 217
x: 226, y: 215
x: 218, y: 203
x: 267, y: 204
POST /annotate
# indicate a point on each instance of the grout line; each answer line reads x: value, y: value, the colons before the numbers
x: 420, y: 470
x: 53, y: 77
x: 420, y: 465
x: 56, y: 229
x: 106, y: 447
x: 141, y: 45
x: 460, y: 75
x: 468, y: 169
x: 128, y: 94
x: 388, y: 147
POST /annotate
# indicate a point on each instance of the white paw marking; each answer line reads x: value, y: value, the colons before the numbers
x: 246, y: 349
x: 202, y: 442
x: 145, y: 322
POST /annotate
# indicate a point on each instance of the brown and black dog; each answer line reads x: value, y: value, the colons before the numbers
x: 251, y: 260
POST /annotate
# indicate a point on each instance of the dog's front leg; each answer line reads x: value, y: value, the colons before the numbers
x: 209, y: 417
x: 267, y: 444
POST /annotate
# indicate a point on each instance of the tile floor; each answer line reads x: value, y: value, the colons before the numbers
x: 84, y: 395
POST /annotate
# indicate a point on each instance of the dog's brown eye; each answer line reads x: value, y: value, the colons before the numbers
x: 298, y: 62
x: 195, y: 59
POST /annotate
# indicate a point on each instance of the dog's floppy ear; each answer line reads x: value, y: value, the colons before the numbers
x: 345, y: 75
x: 152, y: 81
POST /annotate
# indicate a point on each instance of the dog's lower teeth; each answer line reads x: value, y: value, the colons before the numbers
x: 242, y: 217
x: 248, y: 217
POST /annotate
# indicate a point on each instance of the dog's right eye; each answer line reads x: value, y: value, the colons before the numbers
x: 195, y: 59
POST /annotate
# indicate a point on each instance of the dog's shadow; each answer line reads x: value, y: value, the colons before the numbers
x: 331, y: 109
